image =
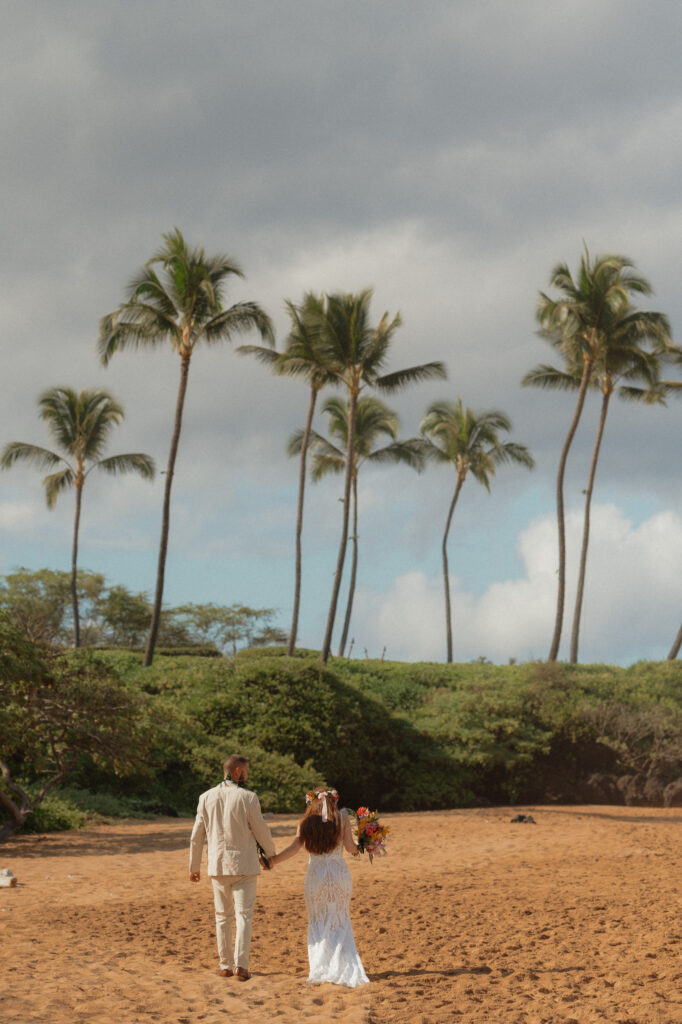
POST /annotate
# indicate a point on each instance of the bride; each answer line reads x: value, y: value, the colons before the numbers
x: 325, y: 831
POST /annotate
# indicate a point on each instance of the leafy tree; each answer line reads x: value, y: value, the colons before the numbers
x: 373, y: 420
x: 39, y: 603
x: 35, y: 603
x: 356, y: 353
x: 470, y: 443
x: 269, y: 636
x: 80, y: 424
x: 184, y: 305
x: 229, y: 627
x: 304, y: 357
x: 124, y: 616
x: 54, y: 710
x: 589, y: 312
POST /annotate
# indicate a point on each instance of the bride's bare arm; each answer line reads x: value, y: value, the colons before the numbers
x: 348, y: 841
x: 289, y: 851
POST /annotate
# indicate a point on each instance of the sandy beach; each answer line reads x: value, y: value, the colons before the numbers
x: 572, y: 920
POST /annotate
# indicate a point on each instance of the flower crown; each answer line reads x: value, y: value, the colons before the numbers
x: 312, y: 795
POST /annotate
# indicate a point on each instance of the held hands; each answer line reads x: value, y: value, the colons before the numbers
x: 265, y: 861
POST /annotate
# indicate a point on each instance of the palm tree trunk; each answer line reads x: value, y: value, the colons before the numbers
x: 561, y: 589
x: 74, y: 566
x: 586, y: 529
x: 326, y: 646
x: 446, y: 576
x: 299, y: 520
x: 354, y: 568
x: 165, y: 521
x: 677, y: 643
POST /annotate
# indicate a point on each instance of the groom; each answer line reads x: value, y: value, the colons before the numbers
x: 229, y: 818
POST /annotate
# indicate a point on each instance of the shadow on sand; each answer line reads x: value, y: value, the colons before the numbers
x: 614, y: 815
x: 171, y: 834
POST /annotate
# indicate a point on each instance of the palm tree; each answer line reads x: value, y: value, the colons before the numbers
x: 621, y: 358
x: 470, y: 442
x: 576, y: 324
x: 184, y: 305
x: 303, y: 357
x: 373, y: 420
x: 356, y: 353
x: 80, y: 423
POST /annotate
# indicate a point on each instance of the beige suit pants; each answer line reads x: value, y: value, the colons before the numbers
x: 234, y: 897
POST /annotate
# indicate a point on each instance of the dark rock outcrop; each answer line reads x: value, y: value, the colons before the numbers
x: 672, y: 794
x: 632, y: 788
x: 601, y: 788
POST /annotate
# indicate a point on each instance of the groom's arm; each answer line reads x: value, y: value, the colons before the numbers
x: 258, y: 827
x: 196, y: 844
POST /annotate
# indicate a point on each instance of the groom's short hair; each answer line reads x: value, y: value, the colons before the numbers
x: 231, y: 763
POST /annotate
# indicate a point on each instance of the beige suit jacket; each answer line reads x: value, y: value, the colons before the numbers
x: 229, y: 818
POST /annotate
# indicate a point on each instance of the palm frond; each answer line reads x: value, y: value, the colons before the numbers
x: 344, y: 329
x: 336, y: 408
x: 325, y: 449
x: 503, y: 454
x: 133, y: 462
x: 56, y: 483
x: 147, y: 291
x: 322, y: 465
x: 307, y: 353
x: 295, y: 442
x: 481, y: 475
x: 373, y: 419
x: 432, y: 452
x: 18, y: 451
x: 135, y: 326
x: 411, y: 452
x: 671, y: 387
x: 316, y: 373
x: 391, y: 382
x: 545, y: 376
x: 655, y: 395
x: 267, y: 356
x: 244, y: 316
x: 80, y: 422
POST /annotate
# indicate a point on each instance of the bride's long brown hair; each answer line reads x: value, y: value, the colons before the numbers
x: 316, y: 835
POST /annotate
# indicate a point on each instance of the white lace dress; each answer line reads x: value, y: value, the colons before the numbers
x: 331, y: 946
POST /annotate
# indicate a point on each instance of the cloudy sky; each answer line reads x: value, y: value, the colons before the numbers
x: 447, y: 154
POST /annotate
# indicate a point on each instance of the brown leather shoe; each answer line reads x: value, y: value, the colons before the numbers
x: 241, y: 974
x: 225, y: 972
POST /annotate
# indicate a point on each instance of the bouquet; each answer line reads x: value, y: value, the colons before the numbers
x: 370, y: 834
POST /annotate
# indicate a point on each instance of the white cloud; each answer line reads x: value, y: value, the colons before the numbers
x: 632, y: 603
x: 20, y: 516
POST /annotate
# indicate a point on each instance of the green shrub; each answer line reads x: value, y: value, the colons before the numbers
x: 275, y: 651
x: 280, y: 782
x: 392, y: 735
x: 101, y: 804
x: 55, y: 814
x: 304, y: 711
